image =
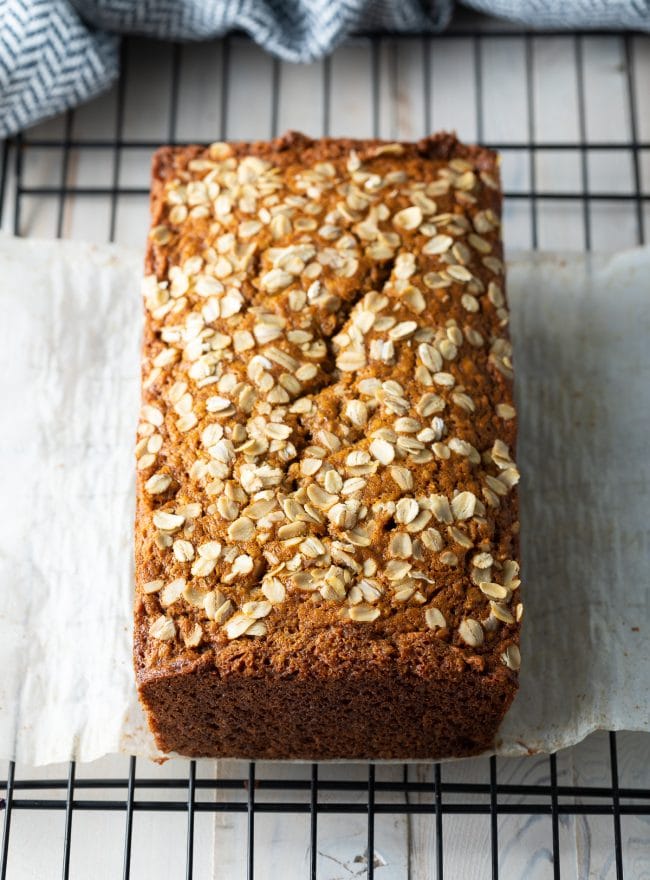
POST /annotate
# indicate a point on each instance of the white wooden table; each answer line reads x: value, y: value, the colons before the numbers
x: 555, y: 90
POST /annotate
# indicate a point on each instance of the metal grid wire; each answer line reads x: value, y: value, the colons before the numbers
x: 320, y: 794
x: 23, y: 795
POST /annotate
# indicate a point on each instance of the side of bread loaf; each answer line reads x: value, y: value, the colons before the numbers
x: 327, y: 523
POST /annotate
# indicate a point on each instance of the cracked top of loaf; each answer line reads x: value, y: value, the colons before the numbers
x: 327, y: 430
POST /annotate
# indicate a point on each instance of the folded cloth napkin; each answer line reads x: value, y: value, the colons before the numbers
x: 54, y: 54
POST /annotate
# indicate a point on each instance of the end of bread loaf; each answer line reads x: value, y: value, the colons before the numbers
x: 416, y: 704
x: 327, y: 522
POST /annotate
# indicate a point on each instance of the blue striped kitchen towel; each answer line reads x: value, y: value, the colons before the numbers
x: 54, y: 54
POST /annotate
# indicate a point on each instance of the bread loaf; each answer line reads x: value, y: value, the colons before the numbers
x: 327, y: 522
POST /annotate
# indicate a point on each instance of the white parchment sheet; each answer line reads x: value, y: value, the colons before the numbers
x: 69, y: 388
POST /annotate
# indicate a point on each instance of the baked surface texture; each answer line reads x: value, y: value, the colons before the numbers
x: 327, y: 521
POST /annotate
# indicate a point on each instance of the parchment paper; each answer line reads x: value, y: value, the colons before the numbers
x: 69, y: 372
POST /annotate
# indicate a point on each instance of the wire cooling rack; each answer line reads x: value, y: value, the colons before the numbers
x: 573, y: 123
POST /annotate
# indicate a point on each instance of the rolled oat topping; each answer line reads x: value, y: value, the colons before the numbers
x: 327, y: 416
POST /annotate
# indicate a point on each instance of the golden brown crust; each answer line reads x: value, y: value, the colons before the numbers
x: 327, y: 419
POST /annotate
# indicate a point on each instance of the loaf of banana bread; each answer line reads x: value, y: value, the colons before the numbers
x: 327, y: 522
